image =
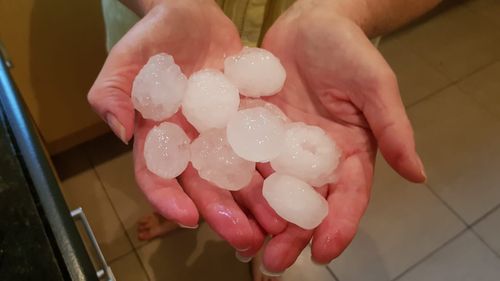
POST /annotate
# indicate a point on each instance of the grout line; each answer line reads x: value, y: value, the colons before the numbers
x: 142, y: 264
x: 451, y: 83
x: 332, y: 273
x: 430, y: 254
x: 124, y: 229
x: 119, y: 257
x: 485, y: 243
x: 485, y: 215
x: 448, y: 206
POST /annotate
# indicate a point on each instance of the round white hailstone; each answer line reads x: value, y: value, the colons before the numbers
x: 166, y: 150
x: 308, y: 154
x: 251, y: 103
x: 159, y: 88
x: 256, y: 72
x: 295, y: 200
x: 210, y: 100
x: 217, y: 163
x: 256, y: 134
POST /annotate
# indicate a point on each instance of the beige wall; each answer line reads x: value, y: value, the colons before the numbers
x: 57, y: 48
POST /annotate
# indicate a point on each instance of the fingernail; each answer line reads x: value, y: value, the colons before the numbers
x: 188, y: 227
x: 422, y: 169
x: 318, y: 263
x: 269, y: 273
x: 116, y: 127
x: 242, y: 258
x: 243, y: 250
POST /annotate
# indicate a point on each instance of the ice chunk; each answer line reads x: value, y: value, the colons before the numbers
x: 295, y: 200
x: 256, y: 134
x: 210, y: 100
x: 216, y: 161
x: 251, y: 103
x: 166, y: 150
x: 159, y: 88
x: 256, y: 72
x: 308, y: 154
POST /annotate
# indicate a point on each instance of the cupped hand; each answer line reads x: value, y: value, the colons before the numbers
x: 198, y: 35
x: 336, y: 79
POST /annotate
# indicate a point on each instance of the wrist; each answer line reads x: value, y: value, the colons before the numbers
x: 358, y: 12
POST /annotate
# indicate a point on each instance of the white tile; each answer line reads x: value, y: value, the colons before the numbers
x: 128, y: 268
x: 84, y: 190
x: 192, y: 255
x: 457, y: 41
x: 489, y: 230
x: 417, y: 78
x: 458, y: 141
x: 117, y: 177
x: 463, y: 259
x: 305, y: 270
x: 404, y: 223
x: 484, y: 87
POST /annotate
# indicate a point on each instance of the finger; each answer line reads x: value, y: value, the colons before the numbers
x: 265, y: 169
x: 347, y: 201
x: 257, y: 242
x: 166, y: 196
x: 219, y: 209
x: 251, y: 198
x: 283, y: 249
x: 387, y: 118
x: 110, y: 93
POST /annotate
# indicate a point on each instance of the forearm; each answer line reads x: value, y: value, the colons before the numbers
x: 142, y: 7
x: 376, y: 17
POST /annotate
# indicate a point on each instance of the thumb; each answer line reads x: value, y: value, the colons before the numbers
x: 110, y: 96
x: 387, y: 118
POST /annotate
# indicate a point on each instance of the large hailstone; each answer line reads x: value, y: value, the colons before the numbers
x: 166, y: 150
x: 308, y: 154
x: 246, y: 103
x: 210, y: 100
x: 216, y: 161
x: 256, y: 72
x: 159, y: 88
x: 256, y: 134
x: 295, y: 200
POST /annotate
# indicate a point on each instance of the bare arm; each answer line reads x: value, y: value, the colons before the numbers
x: 375, y: 17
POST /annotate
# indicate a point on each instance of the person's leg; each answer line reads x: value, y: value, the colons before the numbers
x: 154, y: 225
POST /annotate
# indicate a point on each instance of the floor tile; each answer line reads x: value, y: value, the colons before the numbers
x: 463, y: 259
x: 489, y: 230
x: 458, y: 141
x: 84, y: 190
x: 128, y: 268
x: 417, y: 78
x: 487, y: 8
x: 192, y: 255
x: 484, y: 87
x: 117, y: 177
x: 404, y: 223
x: 305, y: 270
x: 456, y: 42
x: 71, y: 162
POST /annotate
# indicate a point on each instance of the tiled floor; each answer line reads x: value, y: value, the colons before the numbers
x: 448, y: 67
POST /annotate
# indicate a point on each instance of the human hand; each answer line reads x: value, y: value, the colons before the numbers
x: 198, y: 35
x: 336, y: 79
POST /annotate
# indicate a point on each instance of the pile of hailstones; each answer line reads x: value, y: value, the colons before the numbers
x: 236, y: 133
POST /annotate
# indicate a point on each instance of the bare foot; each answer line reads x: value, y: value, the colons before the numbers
x: 257, y: 274
x: 154, y: 225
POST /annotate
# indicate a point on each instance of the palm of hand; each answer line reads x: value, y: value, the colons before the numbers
x: 328, y: 82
